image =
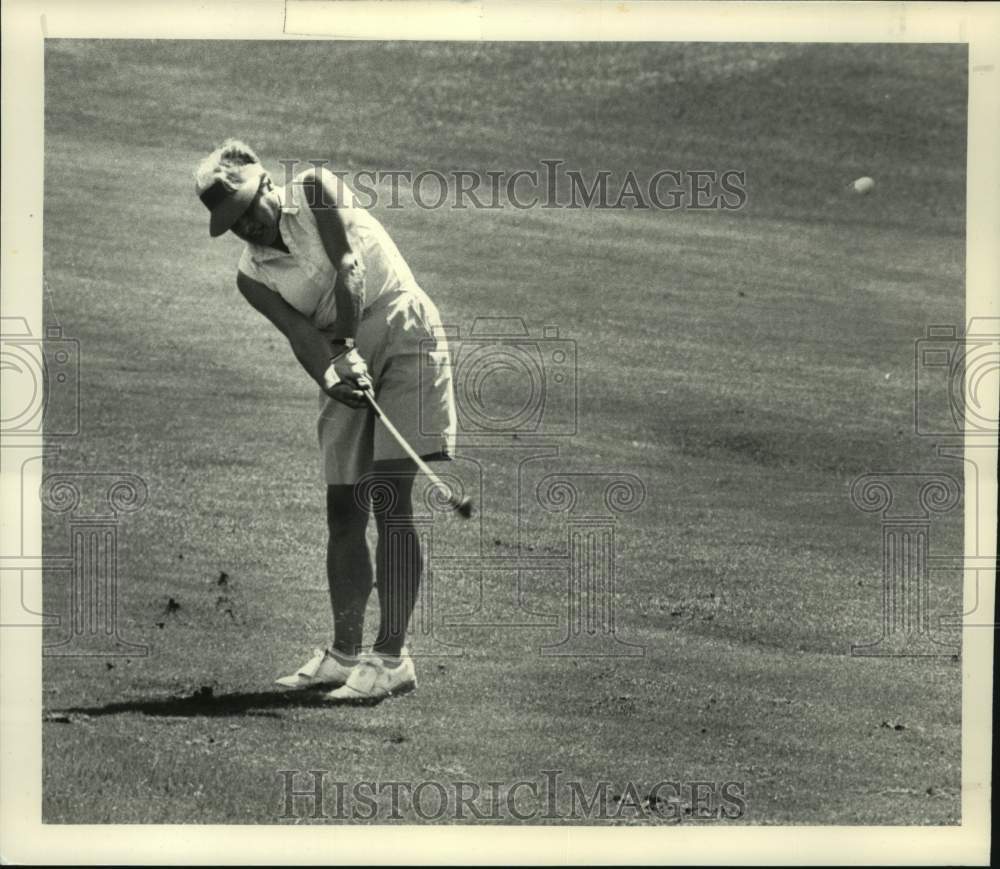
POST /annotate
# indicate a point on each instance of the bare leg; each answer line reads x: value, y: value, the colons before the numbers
x: 397, y: 557
x: 348, y: 567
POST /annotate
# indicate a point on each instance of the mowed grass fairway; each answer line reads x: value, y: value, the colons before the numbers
x: 747, y: 366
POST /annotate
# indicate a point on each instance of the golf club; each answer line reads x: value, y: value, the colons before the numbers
x: 462, y: 506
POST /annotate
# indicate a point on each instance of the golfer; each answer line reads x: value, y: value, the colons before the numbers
x: 327, y: 275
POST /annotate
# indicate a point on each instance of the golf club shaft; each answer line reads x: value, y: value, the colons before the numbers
x: 412, y: 453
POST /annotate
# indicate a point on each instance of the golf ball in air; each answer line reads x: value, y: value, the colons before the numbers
x: 864, y: 185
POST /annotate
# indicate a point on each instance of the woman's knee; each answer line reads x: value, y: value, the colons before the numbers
x: 345, y: 515
x: 392, y: 493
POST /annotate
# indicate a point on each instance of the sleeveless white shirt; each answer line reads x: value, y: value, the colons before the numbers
x: 304, y: 277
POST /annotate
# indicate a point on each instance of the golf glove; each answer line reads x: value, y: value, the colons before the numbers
x: 351, y: 367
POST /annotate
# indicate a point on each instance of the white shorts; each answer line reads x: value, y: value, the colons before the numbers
x: 401, y: 338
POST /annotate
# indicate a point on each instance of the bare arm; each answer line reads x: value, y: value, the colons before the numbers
x: 310, y: 346
x: 325, y: 198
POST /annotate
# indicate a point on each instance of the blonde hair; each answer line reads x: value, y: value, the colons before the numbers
x: 224, y: 164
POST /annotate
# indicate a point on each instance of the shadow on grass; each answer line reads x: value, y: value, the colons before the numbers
x: 206, y: 703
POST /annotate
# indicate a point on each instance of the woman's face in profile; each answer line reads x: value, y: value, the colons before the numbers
x: 259, y: 223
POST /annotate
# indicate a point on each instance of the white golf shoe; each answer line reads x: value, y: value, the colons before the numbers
x: 323, y: 668
x: 372, y: 680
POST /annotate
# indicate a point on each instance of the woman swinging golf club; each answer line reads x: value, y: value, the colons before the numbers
x: 327, y: 275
